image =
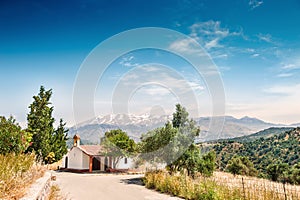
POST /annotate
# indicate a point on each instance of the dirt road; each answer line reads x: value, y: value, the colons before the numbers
x: 105, y: 187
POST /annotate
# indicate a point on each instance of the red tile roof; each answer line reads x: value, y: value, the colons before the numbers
x: 92, y: 150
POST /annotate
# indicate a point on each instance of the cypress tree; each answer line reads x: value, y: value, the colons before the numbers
x: 48, y: 143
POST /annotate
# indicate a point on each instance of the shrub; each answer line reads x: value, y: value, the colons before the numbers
x: 12, y: 138
x: 17, y: 171
x: 181, y: 185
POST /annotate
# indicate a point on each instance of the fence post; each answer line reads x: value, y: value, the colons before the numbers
x: 244, y: 192
x: 285, y: 196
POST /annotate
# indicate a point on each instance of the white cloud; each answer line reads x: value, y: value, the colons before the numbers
x: 188, y: 45
x: 214, y: 37
x: 155, y: 78
x: 210, y: 33
x: 224, y: 68
x: 209, y: 28
x: 155, y: 90
x: 250, y: 50
x: 213, y: 44
x: 222, y: 55
x: 211, y: 36
x: 196, y: 86
x: 265, y: 37
x: 255, y: 3
x: 291, y: 66
x: 239, y: 107
x: 288, y: 66
x: 284, y: 75
x: 127, y: 61
x: 283, y: 89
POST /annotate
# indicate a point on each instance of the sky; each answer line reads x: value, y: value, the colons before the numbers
x: 254, y: 44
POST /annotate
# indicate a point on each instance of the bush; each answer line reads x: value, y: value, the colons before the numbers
x: 17, y: 171
x: 12, y: 137
x: 182, y: 186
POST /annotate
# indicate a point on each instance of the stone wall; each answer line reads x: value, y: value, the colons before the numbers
x: 40, y: 189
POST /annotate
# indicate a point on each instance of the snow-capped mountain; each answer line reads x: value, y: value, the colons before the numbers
x: 127, y: 120
x: 124, y: 119
x: 135, y: 125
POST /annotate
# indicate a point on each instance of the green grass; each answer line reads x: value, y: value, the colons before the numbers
x: 17, y: 172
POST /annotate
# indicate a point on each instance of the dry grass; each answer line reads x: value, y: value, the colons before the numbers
x: 256, y: 188
x: 17, y: 172
x: 54, y: 166
x: 55, y: 193
x: 221, y: 186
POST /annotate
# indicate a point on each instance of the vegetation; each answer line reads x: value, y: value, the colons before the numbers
x: 166, y: 144
x: 20, y: 150
x: 238, y: 165
x: 12, y: 138
x: 277, y: 171
x: 266, y: 154
x: 159, y: 145
x: 118, y: 145
x: 55, y: 193
x: 181, y: 186
x: 17, y: 171
x: 48, y: 143
x: 219, y: 187
x: 266, y: 133
x: 174, y: 145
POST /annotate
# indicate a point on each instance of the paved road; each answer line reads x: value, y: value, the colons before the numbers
x: 105, y: 187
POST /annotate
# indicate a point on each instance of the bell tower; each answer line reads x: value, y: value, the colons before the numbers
x: 76, y: 139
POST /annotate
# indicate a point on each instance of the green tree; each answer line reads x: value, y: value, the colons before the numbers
x: 295, y: 174
x: 173, y: 144
x: 159, y: 144
x: 277, y: 171
x: 59, y: 141
x: 180, y: 116
x: 235, y: 166
x: 168, y: 143
x: 46, y: 140
x: 12, y: 137
x: 241, y: 165
x: 190, y: 160
x: 118, y: 145
x: 207, y: 164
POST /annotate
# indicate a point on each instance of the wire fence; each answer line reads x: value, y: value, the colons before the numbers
x: 257, y: 189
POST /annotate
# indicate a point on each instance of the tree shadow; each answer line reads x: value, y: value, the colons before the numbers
x: 135, y: 181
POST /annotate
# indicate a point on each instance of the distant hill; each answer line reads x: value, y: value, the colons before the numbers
x: 295, y: 125
x: 266, y: 133
x: 283, y: 147
x: 135, y: 125
x: 234, y: 127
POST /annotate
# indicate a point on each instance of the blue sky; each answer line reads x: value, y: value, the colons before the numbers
x: 254, y: 43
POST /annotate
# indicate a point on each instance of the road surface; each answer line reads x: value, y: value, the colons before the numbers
x: 105, y: 187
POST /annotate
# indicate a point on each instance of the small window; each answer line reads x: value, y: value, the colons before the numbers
x: 125, y: 160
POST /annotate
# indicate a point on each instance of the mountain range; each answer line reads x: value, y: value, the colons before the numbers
x: 135, y: 125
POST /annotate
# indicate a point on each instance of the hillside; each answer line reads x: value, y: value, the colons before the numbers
x: 266, y: 133
x: 135, y: 125
x: 284, y: 147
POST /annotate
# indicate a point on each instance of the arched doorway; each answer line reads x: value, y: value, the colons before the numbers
x: 105, y: 163
x: 66, y: 162
x: 96, y: 164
